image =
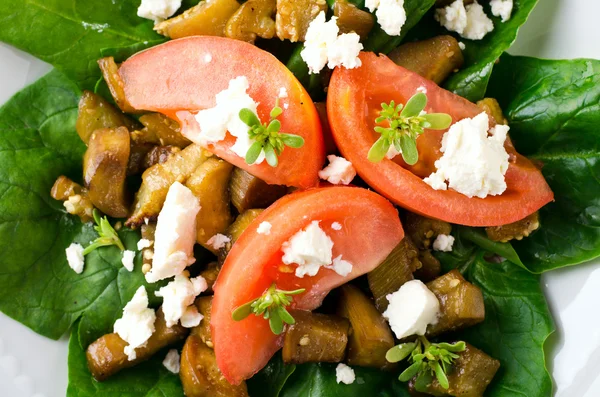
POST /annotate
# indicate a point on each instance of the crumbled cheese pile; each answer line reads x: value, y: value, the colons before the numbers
x: 137, y: 324
x: 502, y: 9
x: 443, y: 243
x: 339, y: 171
x: 218, y: 241
x: 158, y: 10
x: 75, y: 257
x: 264, y: 228
x: 472, y: 163
x: 468, y: 21
x: 178, y: 300
x: 127, y: 259
x: 172, y: 361
x: 390, y: 14
x: 344, y: 374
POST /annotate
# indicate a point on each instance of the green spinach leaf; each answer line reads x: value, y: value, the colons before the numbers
x: 71, y: 34
x: 271, y: 379
x: 553, y: 108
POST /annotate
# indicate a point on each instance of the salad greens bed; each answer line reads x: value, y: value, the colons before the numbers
x: 553, y: 108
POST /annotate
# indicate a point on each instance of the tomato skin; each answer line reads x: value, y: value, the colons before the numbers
x: 355, y: 95
x: 174, y: 78
x: 370, y: 230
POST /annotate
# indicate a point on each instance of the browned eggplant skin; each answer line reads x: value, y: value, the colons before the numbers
x: 75, y: 196
x: 293, y: 17
x: 161, y: 131
x: 253, y: 19
x: 110, y: 72
x: 248, y: 191
x: 353, y: 19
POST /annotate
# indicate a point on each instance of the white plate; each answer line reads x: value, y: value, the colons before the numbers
x: 32, y: 365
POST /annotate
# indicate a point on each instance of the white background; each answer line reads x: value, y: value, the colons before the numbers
x: 32, y: 365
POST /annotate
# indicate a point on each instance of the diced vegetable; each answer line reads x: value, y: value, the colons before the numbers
x: 435, y: 58
x: 423, y: 231
x: 248, y: 191
x: 137, y: 156
x: 254, y: 18
x: 204, y: 305
x: 147, y: 231
x: 207, y: 18
x: 210, y: 274
x: 110, y: 72
x: 461, y: 303
x: 430, y: 266
x: 235, y: 230
x: 315, y: 338
x: 393, y: 272
x: 210, y: 183
x: 493, y: 109
x: 106, y: 357
x: 157, y: 179
x: 516, y: 230
x: 95, y: 112
x: 293, y: 17
x: 370, y: 335
x: 353, y: 19
x: 75, y: 196
x: 160, y: 130
x: 159, y: 155
x: 105, y: 169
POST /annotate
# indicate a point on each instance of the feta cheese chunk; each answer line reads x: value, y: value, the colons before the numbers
x: 390, y: 14
x: 502, y: 9
x: 453, y: 17
x: 336, y: 226
x: 137, y: 324
x: 75, y: 257
x: 344, y: 51
x: 127, y: 259
x: 191, y: 317
x: 282, y: 93
x: 218, y: 241
x: 339, y: 171
x: 412, y: 308
x: 310, y: 249
x: 344, y: 374
x: 473, y: 163
x: 172, y: 361
x: 470, y: 22
x: 144, y: 243
x: 462, y: 45
x: 175, y: 234
x: 443, y: 243
x: 178, y: 295
x: 340, y: 266
x: 158, y: 10
x: 264, y: 228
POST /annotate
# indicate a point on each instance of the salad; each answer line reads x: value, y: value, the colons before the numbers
x: 293, y: 198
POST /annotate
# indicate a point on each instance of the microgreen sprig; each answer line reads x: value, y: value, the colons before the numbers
x: 406, y: 123
x: 107, y: 235
x: 267, y: 136
x: 272, y: 306
x: 427, y: 360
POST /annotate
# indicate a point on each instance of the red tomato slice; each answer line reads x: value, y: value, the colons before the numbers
x: 183, y: 76
x: 370, y: 230
x: 354, y: 98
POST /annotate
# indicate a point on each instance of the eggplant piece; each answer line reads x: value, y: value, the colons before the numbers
x: 105, y: 169
x: 207, y: 18
x: 210, y: 275
x: 461, y: 303
x: 315, y: 338
x: 148, y: 231
x: 469, y: 375
x: 393, y: 272
x: 75, y: 197
x: 110, y: 72
x: 248, y: 191
x: 105, y: 356
x: 95, y: 113
x: 293, y: 17
x: 253, y: 19
x: 435, y: 58
x: 160, y: 130
x: 370, y: 336
x: 157, y: 179
x: 235, y: 230
x: 137, y: 156
x: 209, y: 183
x: 430, y: 266
x: 516, y: 230
x: 423, y: 231
x: 493, y: 109
x: 350, y: 19
x: 204, y: 306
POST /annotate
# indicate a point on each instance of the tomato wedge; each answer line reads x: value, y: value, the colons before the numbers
x: 182, y: 76
x: 370, y: 230
x: 355, y: 97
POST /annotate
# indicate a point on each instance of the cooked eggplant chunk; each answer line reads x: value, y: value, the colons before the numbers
x: 293, y: 17
x: 430, y: 266
x: 207, y: 18
x: 370, y: 335
x: 492, y: 108
x: 352, y: 19
x: 235, y: 230
x: 137, y: 156
x: 516, y: 230
x: 461, y: 303
x: 105, y: 169
x: 106, y: 357
x: 95, y: 113
x: 160, y: 130
x: 75, y: 197
x: 253, y: 19
x: 147, y: 231
x: 435, y: 58
x: 423, y: 231
x: 469, y: 375
x: 210, y: 184
x: 210, y: 275
x: 157, y: 179
x: 248, y: 191
x: 315, y: 338
x: 204, y: 305
x: 110, y: 72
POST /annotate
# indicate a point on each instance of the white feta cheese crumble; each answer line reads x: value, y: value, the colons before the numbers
x: 175, y: 234
x: 225, y: 116
x: 158, y: 10
x: 191, y: 317
x: 412, y: 308
x: 336, y: 226
x: 282, y: 93
x: 340, y: 266
x: 443, y: 242
x: 218, y: 241
x: 453, y: 17
x: 344, y: 51
x: 75, y: 257
x: 473, y: 163
x: 469, y: 22
x: 178, y: 295
x: 172, y: 361
x: 339, y: 171
x: 207, y: 58
x: 127, y: 259
x: 390, y: 14
x: 462, y: 45
x: 144, y: 243
x: 137, y: 324
x: 310, y: 249
x: 264, y: 228
x: 502, y: 9
x: 344, y: 374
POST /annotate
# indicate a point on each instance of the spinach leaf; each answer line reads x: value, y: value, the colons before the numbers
x: 271, y: 379
x: 149, y: 379
x: 553, y: 108
x: 70, y: 34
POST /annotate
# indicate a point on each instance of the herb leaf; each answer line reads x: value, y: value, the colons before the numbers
x: 415, y: 105
x: 107, y: 235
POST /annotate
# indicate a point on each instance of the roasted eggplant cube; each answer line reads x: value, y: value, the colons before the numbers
x: 248, y: 191
x: 204, y: 306
x: 516, y: 230
x: 423, y: 230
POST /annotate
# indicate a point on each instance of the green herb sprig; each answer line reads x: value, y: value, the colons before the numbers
x: 106, y: 234
x: 267, y: 136
x: 428, y: 360
x: 272, y: 306
x: 405, y: 125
